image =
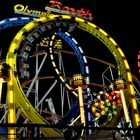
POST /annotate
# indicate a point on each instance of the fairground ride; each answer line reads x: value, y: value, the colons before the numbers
x: 49, y: 78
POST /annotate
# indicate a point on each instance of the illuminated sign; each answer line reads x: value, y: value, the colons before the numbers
x: 57, y: 6
x: 21, y: 9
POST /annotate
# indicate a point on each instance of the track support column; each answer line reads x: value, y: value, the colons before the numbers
x: 11, y: 107
x: 78, y: 81
x: 120, y: 86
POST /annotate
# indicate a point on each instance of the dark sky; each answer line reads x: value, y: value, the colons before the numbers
x: 120, y: 19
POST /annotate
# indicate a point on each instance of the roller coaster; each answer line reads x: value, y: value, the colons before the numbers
x: 49, y: 79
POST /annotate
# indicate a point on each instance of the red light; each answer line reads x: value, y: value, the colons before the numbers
x: 138, y: 64
x: 138, y: 56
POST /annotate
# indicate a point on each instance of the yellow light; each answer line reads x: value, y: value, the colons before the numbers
x: 66, y: 16
x: 126, y: 64
x: 51, y: 43
x: 102, y: 112
x: 137, y: 118
x: 93, y: 109
x: 79, y: 19
x: 91, y: 24
x: 52, y: 16
x: 19, y: 35
x: 113, y: 41
x: 102, y: 106
x: 1, y: 83
x: 50, y: 50
x: 12, y: 134
x: 96, y: 104
x: 134, y: 103
x: 102, y: 31
x: 51, y: 57
x: 57, y: 71
x: 75, y: 93
x: 129, y: 76
x: 11, y: 131
x: 97, y: 114
x: 30, y: 25
x: 10, y: 62
x: 53, y: 63
x: 10, y: 96
x: 68, y: 86
x: 62, y: 79
x: 131, y: 89
x: 11, y: 116
x: 121, y: 53
x: 27, y: 105
x: 10, y: 83
x: 13, y: 47
x: 42, y: 19
x: 53, y: 37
